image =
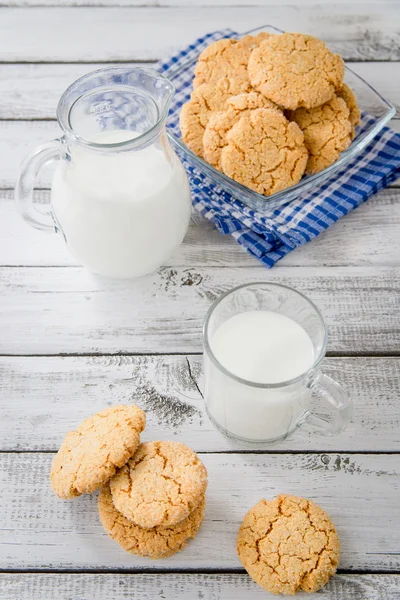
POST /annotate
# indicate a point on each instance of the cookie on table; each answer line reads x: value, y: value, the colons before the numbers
x: 264, y: 151
x: 221, y: 122
x: 195, y: 114
x: 158, y: 542
x: 227, y: 58
x: 295, y: 70
x: 91, y: 454
x: 327, y: 132
x: 160, y: 485
x: 288, y: 545
x: 349, y: 97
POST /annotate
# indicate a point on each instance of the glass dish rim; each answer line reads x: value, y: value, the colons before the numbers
x: 207, y: 346
x: 278, y: 198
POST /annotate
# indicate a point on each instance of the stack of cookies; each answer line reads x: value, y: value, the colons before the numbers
x: 152, y: 495
x: 267, y: 109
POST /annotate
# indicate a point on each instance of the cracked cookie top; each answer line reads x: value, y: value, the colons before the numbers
x: 327, y: 132
x: 264, y: 151
x: 222, y: 121
x: 349, y: 97
x: 295, y: 70
x: 90, y: 455
x: 227, y: 58
x: 195, y: 114
x: 160, y: 485
x: 288, y: 545
x: 158, y: 542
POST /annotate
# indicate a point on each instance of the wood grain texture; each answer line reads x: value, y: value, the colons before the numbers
x: 44, y: 35
x: 31, y: 91
x: 43, y: 398
x: 17, y: 138
x: 68, y: 310
x: 187, y: 586
x: 173, y: 3
x: 368, y: 236
x: 360, y: 493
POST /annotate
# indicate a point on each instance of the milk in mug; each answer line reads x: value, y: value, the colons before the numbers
x: 265, y: 348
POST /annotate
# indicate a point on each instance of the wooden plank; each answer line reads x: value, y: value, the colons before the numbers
x: 17, y: 138
x: 68, y: 310
x: 166, y: 3
x: 31, y: 91
x: 177, y: 586
x: 43, y: 35
x: 43, y: 398
x: 360, y: 492
x: 368, y: 236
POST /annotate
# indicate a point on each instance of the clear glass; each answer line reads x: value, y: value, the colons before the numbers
x: 370, y: 101
x: 257, y: 412
x: 120, y: 195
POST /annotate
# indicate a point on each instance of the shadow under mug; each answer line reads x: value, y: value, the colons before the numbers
x: 258, y: 412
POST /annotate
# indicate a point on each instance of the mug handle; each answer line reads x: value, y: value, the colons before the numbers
x: 23, y: 194
x: 338, y: 405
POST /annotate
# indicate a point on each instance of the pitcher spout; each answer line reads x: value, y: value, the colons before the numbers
x: 133, y: 99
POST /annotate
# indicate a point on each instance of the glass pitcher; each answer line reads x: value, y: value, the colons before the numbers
x: 120, y: 196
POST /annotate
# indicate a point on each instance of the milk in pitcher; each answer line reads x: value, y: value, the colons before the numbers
x: 122, y: 214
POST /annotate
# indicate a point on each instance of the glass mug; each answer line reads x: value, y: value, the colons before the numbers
x: 120, y: 196
x: 258, y: 412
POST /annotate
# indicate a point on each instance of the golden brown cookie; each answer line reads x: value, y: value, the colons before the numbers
x: 227, y: 58
x: 91, y: 454
x: 252, y: 41
x: 158, y: 542
x: 196, y: 113
x: 221, y: 122
x: 349, y: 97
x: 288, y: 545
x: 327, y: 132
x: 295, y: 70
x: 264, y: 151
x: 160, y: 485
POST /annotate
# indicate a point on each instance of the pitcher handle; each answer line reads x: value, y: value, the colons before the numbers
x: 30, y: 167
x: 337, y: 404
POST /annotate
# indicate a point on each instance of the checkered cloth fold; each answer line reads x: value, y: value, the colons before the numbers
x: 269, y: 236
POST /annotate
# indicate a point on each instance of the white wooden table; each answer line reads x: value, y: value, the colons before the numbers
x: 70, y: 345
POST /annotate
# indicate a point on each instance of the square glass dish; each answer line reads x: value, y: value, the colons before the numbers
x: 376, y: 113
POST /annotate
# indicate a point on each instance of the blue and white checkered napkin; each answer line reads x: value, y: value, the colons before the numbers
x: 270, y: 236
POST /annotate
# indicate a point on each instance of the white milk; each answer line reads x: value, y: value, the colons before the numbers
x: 262, y: 347
x: 122, y: 214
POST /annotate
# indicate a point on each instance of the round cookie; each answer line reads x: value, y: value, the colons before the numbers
x: 196, y: 113
x: 288, y: 545
x: 295, y: 70
x: 227, y: 58
x: 91, y: 454
x: 349, y: 97
x: 264, y: 151
x: 158, y: 542
x: 221, y: 122
x: 160, y: 485
x: 327, y: 132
